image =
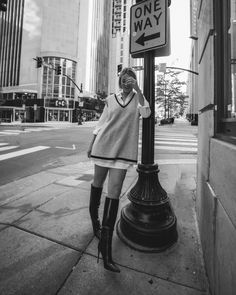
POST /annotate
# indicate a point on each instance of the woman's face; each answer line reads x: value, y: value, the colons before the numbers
x: 127, y: 83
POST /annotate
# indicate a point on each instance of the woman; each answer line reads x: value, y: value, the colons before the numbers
x: 114, y: 148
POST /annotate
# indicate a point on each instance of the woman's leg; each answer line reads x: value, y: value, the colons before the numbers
x: 115, y: 182
x: 100, y: 174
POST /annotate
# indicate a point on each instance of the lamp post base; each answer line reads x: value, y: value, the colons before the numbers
x: 148, y: 223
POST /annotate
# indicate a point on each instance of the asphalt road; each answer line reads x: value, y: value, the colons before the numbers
x: 35, y: 149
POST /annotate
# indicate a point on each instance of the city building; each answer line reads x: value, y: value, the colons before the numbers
x: 71, y: 35
x: 214, y: 94
x: 93, y: 45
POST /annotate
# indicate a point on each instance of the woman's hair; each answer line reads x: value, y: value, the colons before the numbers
x: 128, y: 71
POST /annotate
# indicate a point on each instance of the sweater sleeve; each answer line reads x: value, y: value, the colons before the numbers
x: 144, y: 110
x: 101, y: 121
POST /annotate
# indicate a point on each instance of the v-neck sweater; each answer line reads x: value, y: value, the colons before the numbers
x: 117, y: 140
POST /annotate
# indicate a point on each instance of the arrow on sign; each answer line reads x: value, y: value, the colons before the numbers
x: 142, y: 39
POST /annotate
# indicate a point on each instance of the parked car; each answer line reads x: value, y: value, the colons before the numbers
x: 167, y: 121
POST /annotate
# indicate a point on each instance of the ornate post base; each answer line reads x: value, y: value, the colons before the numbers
x: 148, y: 223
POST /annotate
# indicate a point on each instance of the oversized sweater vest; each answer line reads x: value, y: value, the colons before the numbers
x: 118, y: 138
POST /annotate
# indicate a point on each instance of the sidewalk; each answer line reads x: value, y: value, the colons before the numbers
x: 47, y: 245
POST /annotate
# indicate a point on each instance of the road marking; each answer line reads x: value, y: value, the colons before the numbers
x: 15, y: 131
x: 173, y: 148
x: 3, y: 143
x: 23, y: 152
x: 189, y: 135
x: 6, y: 148
x: 26, y: 130
x: 174, y: 139
x: 40, y: 129
x: 174, y: 143
x: 8, y: 133
x: 176, y: 161
x: 65, y: 148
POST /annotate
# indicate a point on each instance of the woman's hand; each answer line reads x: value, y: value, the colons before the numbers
x: 133, y: 82
x: 91, y: 146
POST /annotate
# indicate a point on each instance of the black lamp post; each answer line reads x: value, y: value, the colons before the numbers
x: 148, y: 222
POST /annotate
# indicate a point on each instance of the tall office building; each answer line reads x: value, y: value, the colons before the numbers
x: 93, y: 45
x: 70, y: 34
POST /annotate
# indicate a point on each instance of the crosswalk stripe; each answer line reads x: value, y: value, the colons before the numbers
x: 23, y: 152
x: 174, y: 148
x: 176, y: 143
x: 176, y: 161
x: 38, y: 129
x: 15, y: 131
x: 175, y: 139
x: 9, y: 133
x: 157, y: 142
x: 28, y: 130
x: 6, y: 148
x: 189, y: 135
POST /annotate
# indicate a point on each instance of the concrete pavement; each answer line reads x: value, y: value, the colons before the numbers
x: 47, y: 244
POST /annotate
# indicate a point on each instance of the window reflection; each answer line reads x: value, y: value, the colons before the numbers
x: 54, y: 85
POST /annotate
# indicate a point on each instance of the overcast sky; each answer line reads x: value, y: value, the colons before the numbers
x: 180, y: 32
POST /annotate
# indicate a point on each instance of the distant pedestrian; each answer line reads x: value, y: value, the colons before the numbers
x: 113, y: 149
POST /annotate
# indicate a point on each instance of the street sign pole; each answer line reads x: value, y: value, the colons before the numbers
x: 148, y: 222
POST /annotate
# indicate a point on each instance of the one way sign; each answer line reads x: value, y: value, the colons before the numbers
x: 148, y: 26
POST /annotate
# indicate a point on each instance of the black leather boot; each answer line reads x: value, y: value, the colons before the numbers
x: 95, y: 197
x: 105, y: 243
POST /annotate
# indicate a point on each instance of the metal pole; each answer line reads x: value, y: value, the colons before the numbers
x: 148, y: 223
x: 149, y: 124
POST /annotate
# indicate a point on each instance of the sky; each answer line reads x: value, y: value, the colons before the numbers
x: 180, y: 32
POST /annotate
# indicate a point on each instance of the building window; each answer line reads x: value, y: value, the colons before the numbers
x: 58, y: 86
x: 225, y: 65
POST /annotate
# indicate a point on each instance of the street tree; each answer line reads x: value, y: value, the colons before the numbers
x: 170, y: 94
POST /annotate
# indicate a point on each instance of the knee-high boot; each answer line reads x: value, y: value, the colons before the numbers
x: 105, y: 243
x: 95, y: 197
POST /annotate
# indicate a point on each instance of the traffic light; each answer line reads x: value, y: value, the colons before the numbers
x: 3, y: 5
x: 119, y: 68
x: 58, y: 70
x: 39, y: 62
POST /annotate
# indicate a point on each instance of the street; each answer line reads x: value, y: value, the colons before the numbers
x: 27, y: 150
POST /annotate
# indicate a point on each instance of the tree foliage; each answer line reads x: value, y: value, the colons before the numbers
x: 170, y: 95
